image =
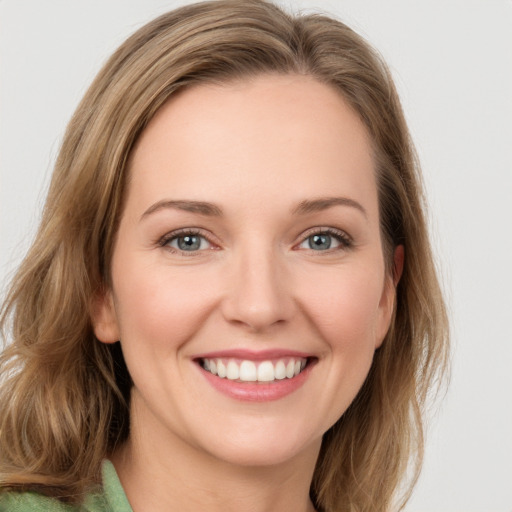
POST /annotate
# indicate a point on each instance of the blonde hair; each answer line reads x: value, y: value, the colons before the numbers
x: 64, y: 396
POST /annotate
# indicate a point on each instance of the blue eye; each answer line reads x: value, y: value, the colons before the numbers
x: 188, y: 242
x: 325, y: 240
x: 320, y: 242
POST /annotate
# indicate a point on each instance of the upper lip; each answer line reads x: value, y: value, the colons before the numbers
x: 253, y: 355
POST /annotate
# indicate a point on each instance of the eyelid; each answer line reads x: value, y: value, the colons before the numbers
x: 345, y: 240
x: 164, y: 240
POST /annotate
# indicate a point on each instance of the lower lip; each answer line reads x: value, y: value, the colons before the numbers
x: 257, y: 391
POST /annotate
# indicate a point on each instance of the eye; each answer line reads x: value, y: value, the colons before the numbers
x: 325, y: 240
x: 186, y: 241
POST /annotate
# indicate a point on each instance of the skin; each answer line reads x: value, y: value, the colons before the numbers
x: 257, y: 149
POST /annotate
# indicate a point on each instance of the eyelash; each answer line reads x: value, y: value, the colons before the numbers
x: 169, y: 237
x: 345, y: 241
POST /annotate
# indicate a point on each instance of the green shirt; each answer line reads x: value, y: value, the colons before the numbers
x: 111, y: 498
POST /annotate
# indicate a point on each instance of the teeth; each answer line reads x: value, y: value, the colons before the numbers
x: 290, y: 369
x: 233, y: 372
x: 221, y: 369
x: 250, y: 371
x: 266, y: 372
x: 280, y: 370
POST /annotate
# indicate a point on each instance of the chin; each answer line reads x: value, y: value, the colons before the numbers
x: 263, y: 446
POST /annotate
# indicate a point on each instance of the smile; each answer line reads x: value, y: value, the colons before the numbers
x: 250, y: 371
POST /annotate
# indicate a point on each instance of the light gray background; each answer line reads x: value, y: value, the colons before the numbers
x: 452, y: 61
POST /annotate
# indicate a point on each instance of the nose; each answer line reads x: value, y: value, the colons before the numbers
x: 260, y: 290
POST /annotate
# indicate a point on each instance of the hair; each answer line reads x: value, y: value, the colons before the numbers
x: 64, y: 396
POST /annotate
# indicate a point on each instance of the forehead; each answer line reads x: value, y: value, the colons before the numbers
x: 276, y: 135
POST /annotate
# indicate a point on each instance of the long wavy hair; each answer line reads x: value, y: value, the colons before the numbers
x: 64, y: 396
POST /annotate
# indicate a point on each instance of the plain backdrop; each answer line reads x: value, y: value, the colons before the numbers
x: 452, y: 61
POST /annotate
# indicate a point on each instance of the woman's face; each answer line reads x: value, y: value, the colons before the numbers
x: 249, y: 288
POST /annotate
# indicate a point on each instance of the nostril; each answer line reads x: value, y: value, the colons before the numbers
x: 257, y: 313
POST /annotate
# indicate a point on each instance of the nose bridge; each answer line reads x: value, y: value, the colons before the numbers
x: 259, y: 295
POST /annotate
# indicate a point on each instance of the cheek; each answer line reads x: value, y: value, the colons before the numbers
x: 343, y: 304
x: 162, y: 308
x: 344, y: 310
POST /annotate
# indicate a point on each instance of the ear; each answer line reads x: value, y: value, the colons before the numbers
x: 387, y: 300
x: 103, y: 317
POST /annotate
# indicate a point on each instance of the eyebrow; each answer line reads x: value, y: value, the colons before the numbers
x: 323, y: 203
x: 201, y: 207
x: 212, y: 210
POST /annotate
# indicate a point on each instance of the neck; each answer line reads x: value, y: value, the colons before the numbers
x: 170, y: 474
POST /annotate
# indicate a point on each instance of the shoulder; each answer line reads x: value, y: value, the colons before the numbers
x: 30, y: 501
x: 33, y: 502
x: 110, y: 497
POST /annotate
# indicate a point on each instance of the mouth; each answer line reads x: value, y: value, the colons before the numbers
x: 256, y: 376
x: 246, y: 370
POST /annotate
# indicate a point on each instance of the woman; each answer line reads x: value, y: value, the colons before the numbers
x: 231, y: 301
